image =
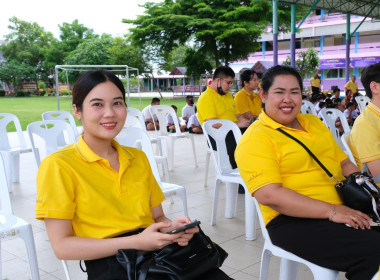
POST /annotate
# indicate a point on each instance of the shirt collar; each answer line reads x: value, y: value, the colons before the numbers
x: 374, y: 108
x: 267, y: 121
x: 90, y: 156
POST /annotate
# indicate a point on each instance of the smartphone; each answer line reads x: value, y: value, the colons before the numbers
x: 185, y: 227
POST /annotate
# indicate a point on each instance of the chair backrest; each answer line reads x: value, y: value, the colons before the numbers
x: 5, y: 120
x: 64, y: 116
x: 52, y: 133
x: 330, y: 116
x: 134, y: 118
x: 161, y: 111
x: 362, y: 102
x: 5, y: 201
x: 139, y: 138
x: 221, y: 159
x: 308, y: 108
x: 346, y: 144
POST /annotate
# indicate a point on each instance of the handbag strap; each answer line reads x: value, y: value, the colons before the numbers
x: 310, y: 153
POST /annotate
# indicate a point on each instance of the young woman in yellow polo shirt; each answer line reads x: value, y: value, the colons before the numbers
x: 301, y: 208
x: 96, y: 196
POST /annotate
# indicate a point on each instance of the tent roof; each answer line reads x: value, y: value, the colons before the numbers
x: 370, y: 8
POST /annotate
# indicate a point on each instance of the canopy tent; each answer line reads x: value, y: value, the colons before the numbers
x: 113, y: 68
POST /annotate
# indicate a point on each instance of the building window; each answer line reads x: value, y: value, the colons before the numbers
x: 334, y: 73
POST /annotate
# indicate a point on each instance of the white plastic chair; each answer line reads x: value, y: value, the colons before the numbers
x: 289, y: 262
x: 12, y: 226
x: 376, y: 276
x: 308, y: 108
x: 330, y: 115
x: 136, y: 119
x: 64, y: 116
x: 346, y: 144
x: 54, y: 135
x: 138, y: 138
x: 225, y: 173
x: 362, y: 102
x: 12, y: 149
x: 161, y: 111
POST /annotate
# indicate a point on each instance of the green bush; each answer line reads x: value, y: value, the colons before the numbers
x: 2, y: 92
x: 20, y: 93
x: 66, y: 92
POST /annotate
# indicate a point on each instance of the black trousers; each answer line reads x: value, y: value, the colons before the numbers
x: 328, y: 244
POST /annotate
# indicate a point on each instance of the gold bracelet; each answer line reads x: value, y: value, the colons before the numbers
x: 333, y: 213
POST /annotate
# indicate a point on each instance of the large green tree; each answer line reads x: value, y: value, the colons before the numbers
x: 306, y: 62
x: 226, y: 30
x: 24, y: 46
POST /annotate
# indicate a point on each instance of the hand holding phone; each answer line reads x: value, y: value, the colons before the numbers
x: 185, y: 227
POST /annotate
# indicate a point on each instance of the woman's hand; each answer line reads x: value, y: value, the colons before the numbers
x: 184, y: 239
x: 354, y: 218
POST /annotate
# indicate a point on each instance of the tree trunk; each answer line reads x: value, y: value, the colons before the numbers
x: 158, y: 86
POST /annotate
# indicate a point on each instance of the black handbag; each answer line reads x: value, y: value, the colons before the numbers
x: 173, y: 262
x: 357, y: 191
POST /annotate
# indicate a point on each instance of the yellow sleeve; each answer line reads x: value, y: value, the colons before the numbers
x: 55, y: 190
x: 365, y: 138
x: 206, y: 108
x: 241, y: 102
x: 348, y: 85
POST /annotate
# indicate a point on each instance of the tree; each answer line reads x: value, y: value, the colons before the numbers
x: 227, y: 30
x: 306, y: 62
x: 25, y: 42
x: 11, y: 72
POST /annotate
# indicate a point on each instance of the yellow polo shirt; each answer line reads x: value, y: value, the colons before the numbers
x: 365, y: 136
x: 76, y: 184
x: 315, y: 82
x: 265, y: 156
x: 353, y: 86
x: 246, y: 102
x: 213, y: 105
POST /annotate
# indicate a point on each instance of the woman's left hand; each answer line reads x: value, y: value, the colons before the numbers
x: 184, y: 239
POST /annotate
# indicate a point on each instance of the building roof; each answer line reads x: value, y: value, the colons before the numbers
x: 178, y: 71
x: 262, y: 66
x: 369, y: 8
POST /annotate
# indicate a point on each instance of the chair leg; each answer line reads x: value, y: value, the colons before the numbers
x: 64, y: 264
x: 216, y: 200
x: 207, y: 163
x: 26, y: 234
x: 182, y: 195
x: 165, y: 168
x: 15, y: 161
x: 170, y: 151
x: 7, y: 158
x: 265, y: 262
x: 250, y: 217
x: 1, y: 268
x: 194, y: 153
x: 288, y: 269
x: 231, y: 199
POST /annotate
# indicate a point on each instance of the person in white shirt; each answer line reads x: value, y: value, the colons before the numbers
x: 148, y: 116
x: 193, y: 125
x: 189, y: 108
x: 170, y: 122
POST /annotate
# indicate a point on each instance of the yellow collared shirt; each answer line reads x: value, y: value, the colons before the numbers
x: 213, y: 105
x: 315, y: 82
x: 365, y: 135
x: 246, y: 102
x: 353, y: 86
x: 76, y: 184
x: 265, y: 156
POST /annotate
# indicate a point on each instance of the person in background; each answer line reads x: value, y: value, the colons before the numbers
x: 170, y: 122
x: 348, y: 97
x: 193, y: 124
x: 365, y: 134
x: 336, y: 93
x: 96, y: 196
x: 151, y: 122
x: 303, y: 212
x: 352, y: 85
x: 339, y: 106
x: 315, y: 82
x: 349, y: 113
x: 189, y: 109
x: 247, y: 100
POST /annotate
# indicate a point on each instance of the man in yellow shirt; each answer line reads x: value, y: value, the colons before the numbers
x: 352, y: 85
x: 247, y: 101
x: 217, y: 103
x: 365, y: 134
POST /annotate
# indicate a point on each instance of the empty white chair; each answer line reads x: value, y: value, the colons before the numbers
x: 225, y: 173
x: 12, y: 149
x: 53, y: 134
x: 64, y: 116
x: 330, y: 116
x: 161, y: 111
x: 138, y: 138
x: 376, y: 276
x: 362, y: 102
x: 346, y: 147
x: 136, y: 119
x: 12, y: 226
x: 308, y: 108
x: 289, y: 261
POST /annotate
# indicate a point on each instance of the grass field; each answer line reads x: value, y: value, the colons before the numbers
x: 30, y: 109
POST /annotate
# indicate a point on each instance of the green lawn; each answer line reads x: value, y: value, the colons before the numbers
x: 30, y: 109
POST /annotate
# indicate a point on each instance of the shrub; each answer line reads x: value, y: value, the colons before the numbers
x: 2, y: 92
x: 20, y: 93
x: 66, y: 92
